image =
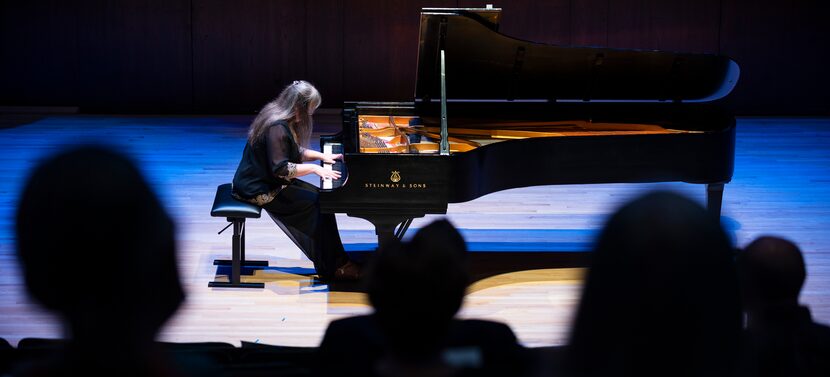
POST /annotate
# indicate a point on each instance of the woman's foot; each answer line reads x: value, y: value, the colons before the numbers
x: 348, y: 271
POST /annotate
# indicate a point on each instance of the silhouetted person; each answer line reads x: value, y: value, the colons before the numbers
x: 416, y: 288
x: 781, y: 338
x: 660, y: 296
x: 98, y: 249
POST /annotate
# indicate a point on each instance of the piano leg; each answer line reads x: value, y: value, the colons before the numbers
x: 385, y: 234
x: 385, y: 226
x: 714, y: 199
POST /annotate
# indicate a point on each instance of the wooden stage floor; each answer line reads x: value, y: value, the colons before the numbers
x: 781, y: 186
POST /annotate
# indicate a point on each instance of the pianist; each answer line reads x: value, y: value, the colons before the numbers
x: 267, y: 176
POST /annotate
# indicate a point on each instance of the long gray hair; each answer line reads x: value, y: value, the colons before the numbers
x: 294, y: 102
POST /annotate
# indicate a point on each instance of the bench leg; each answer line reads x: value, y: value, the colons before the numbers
x: 245, y: 262
x: 236, y: 262
x: 242, y: 244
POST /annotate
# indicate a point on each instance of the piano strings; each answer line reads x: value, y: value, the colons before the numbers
x: 382, y: 134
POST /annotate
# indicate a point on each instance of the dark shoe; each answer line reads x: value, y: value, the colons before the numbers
x: 348, y: 271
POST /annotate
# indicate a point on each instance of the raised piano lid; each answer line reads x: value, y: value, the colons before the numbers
x: 483, y: 65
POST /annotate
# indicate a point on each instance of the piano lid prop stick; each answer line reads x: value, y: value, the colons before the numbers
x: 445, y: 144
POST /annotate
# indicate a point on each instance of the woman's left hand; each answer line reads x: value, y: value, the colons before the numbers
x: 329, y: 158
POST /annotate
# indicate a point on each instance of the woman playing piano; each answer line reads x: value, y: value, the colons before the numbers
x: 267, y: 176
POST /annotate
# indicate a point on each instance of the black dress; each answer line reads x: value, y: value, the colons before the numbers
x: 265, y: 177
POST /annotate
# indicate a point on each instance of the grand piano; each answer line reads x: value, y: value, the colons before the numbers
x: 492, y: 112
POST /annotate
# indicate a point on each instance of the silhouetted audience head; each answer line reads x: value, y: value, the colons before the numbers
x: 98, y: 249
x: 772, y: 273
x: 417, y: 287
x: 660, y: 296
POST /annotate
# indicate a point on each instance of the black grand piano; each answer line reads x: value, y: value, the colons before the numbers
x: 491, y: 112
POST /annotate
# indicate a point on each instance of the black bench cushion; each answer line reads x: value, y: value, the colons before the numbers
x: 225, y: 205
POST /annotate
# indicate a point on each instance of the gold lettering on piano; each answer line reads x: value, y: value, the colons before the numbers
x: 381, y: 185
x: 419, y: 186
x: 395, y: 177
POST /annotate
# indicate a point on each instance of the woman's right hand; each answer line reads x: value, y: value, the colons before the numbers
x: 323, y: 173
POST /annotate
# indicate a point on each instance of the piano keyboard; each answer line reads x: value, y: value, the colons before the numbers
x: 328, y: 183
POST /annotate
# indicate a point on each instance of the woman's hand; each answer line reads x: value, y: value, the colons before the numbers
x: 329, y: 158
x: 324, y: 173
x: 312, y: 155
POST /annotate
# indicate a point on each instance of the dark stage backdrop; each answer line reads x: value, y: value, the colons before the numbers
x: 223, y: 56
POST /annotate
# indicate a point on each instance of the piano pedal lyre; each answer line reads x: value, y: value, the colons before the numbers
x: 401, y: 231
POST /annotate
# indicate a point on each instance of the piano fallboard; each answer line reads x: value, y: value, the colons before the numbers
x: 405, y: 184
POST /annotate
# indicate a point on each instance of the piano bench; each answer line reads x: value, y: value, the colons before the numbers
x: 236, y: 211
